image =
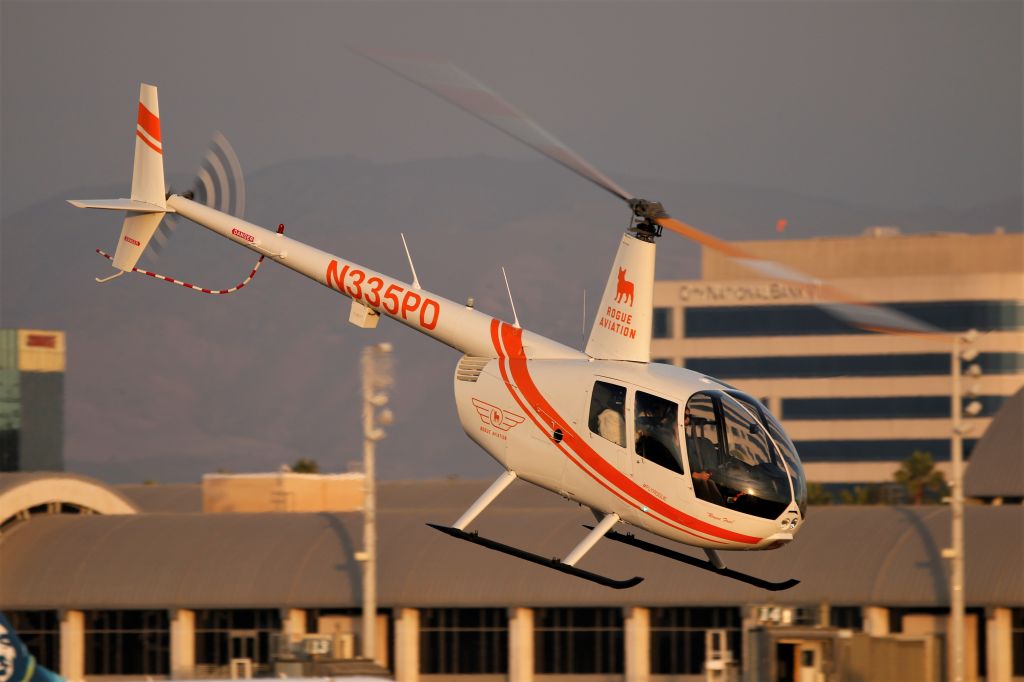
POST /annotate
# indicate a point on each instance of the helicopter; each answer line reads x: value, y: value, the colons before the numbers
x: 681, y: 455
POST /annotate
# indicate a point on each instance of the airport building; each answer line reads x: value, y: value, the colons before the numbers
x: 260, y: 575
x: 855, y: 403
x: 32, y: 365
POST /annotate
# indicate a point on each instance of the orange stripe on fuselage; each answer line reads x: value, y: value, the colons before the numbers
x: 149, y: 122
x: 529, y: 413
x: 138, y: 134
x: 622, y: 485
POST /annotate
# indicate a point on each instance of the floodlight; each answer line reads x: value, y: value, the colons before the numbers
x: 969, y: 354
x: 973, y: 408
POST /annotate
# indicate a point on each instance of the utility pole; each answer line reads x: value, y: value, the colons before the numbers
x: 377, y: 378
x: 956, y: 553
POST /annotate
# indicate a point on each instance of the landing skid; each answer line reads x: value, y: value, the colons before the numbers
x: 556, y: 564
x: 633, y: 541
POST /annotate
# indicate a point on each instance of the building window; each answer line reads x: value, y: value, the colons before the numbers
x: 661, y: 326
x: 463, y: 641
x: 40, y: 632
x: 578, y: 641
x: 237, y: 633
x: 847, y: 617
x: 127, y: 643
x: 876, y: 450
x: 678, y: 637
x: 1018, y: 642
x: 876, y: 365
x: 803, y: 320
x: 892, y: 407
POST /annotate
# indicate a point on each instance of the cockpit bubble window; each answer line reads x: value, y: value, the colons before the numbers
x: 781, y: 441
x: 657, y: 431
x: 732, y: 461
x: 608, y: 412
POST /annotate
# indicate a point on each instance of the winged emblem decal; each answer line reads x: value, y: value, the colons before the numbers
x: 495, y: 416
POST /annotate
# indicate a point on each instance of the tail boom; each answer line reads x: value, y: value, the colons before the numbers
x: 456, y: 325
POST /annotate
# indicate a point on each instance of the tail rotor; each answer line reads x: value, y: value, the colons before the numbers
x: 219, y: 183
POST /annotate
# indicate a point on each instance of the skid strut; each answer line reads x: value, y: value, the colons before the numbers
x: 567, y: 565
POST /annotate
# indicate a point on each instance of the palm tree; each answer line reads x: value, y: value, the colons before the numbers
x: 919, y: 477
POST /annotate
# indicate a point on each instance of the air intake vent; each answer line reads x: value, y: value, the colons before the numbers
x: 470, y: 367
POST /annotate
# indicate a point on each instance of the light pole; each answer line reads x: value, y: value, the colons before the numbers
x: 377, y: 378
x: 963, y: 350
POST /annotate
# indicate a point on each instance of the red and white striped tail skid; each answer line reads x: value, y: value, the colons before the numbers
x: 194, y: 287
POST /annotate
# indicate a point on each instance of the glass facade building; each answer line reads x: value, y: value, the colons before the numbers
x: 856, y: 403
x: 32, y: 366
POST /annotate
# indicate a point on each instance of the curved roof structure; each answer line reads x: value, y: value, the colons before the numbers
x: 888, y: 556
x: 20, y: 493
x: 996, y: 468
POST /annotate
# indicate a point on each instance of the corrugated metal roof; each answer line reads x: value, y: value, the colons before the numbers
x: 845, y: 555
x: 996, y: 467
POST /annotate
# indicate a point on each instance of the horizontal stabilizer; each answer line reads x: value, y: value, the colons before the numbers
x: 120, y: 205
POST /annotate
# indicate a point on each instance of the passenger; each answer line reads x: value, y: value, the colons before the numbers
x: 611, y: 425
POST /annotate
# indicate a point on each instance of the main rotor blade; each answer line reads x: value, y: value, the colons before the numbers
x: 454, y: 85
x: 847, y: 308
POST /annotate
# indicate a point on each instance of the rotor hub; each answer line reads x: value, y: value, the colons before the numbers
x: 646, y: 227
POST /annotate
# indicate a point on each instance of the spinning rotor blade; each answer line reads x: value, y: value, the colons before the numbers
x: 451, y: 83
x: 219, y: 184
x: 454, y: 85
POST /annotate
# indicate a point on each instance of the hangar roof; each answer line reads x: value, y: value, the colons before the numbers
x: 996, y: 468
x: 180, y: 498
x: 889, y: 556
x: 20, y: 492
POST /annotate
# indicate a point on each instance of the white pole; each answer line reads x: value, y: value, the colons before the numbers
x: 957, y: 573
x: 369, y: 526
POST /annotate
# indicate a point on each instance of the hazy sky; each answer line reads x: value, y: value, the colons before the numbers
x: 897, y: 104
x: 739, y: 112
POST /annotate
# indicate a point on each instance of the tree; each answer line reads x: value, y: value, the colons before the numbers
x: 817, y: 494
x: 861, y: 494
x: 919, y: 477
x: 306, y: 466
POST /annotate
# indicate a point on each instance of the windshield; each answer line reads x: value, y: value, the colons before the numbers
x: 733, y: 459
x: 781, y: 441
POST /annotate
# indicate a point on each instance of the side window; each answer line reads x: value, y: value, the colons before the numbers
x: 657, y: 431
x: 608, y: 412
x: 703, y: 446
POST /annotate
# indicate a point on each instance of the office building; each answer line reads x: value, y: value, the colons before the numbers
x: 855, y: 403
x: 32, y: 365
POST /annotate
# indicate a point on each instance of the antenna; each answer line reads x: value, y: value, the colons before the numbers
x: 583, y: 324
x: 515, y: 317
x: 415, y: 279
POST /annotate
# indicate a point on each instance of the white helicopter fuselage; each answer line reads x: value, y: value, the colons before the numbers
x: 534, y: 416
x: 658, y: 447
x: 530, y: 388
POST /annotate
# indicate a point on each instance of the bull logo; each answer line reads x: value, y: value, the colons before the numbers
x: 624, y: 288
x: 493, y: 415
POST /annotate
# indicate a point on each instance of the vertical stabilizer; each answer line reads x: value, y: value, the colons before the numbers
x: 147, y: 182
x: 622, y: 328
x: 148, y: 174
